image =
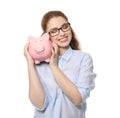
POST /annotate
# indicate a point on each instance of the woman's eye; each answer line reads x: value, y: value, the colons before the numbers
x: 65, y: 26
x: 53, y: 31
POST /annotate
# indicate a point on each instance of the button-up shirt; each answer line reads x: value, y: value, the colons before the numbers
x: 78, y: 67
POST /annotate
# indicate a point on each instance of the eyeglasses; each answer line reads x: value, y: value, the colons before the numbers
x: 55, y: 31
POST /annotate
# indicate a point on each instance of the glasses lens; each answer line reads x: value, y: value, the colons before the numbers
x: 65, y: 27
x: 53, y: 32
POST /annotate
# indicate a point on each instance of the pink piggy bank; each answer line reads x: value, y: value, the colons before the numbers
x: 40, y: 48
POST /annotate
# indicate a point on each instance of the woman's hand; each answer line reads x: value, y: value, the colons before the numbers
x: 54, y: 57
x: 27, y: 55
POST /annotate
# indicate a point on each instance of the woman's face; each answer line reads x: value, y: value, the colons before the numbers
x: 60, y: 31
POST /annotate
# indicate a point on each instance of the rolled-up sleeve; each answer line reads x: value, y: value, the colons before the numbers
x: 86, y: 79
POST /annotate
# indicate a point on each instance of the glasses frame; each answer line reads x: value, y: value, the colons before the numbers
x: 61, y: 28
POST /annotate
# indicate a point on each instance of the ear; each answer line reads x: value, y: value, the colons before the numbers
x: 45, y: 36
x: 30, y: 38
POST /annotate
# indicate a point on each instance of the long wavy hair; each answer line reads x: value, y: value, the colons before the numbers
x: 74, y: 42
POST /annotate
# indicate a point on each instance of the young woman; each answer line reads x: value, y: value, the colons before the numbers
x: 59, y: 89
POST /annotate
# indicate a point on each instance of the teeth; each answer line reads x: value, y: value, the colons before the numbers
x: 63, y: 39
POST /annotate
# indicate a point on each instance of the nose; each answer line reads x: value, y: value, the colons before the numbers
x: 61, y: 32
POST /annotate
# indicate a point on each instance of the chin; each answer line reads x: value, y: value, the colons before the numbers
x: 63, y: 46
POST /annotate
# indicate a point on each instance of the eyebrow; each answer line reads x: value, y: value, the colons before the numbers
x: 57, y: 27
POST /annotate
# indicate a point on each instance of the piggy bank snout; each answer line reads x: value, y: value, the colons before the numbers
x: 39, y: 49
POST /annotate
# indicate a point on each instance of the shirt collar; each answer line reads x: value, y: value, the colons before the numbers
x: 67, y: 55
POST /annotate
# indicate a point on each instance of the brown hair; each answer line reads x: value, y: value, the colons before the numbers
x: 74, y: 42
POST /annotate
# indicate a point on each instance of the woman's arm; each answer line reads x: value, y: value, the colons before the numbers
x: 36, y: 92
x: 65, y: 84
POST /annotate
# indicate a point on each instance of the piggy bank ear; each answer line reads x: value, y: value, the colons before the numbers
x: 45, y: 36
x: 30, y: 38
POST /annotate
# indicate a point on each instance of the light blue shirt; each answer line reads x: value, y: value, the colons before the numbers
x: 78, y: 67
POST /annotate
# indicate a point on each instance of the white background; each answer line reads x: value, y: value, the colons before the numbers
x: 97, y: 24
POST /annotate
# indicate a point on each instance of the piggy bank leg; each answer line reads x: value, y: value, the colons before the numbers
x: 37, y: 62
x: 47, y: 60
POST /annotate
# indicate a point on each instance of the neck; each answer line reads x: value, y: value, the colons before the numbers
x: 62, y: 50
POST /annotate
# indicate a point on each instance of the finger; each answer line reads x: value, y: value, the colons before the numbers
x: 26, y: 49
x: 55, y: 48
